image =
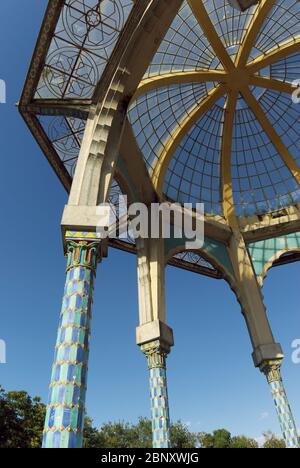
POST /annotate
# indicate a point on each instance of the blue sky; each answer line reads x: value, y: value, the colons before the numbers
x: 212, y: 381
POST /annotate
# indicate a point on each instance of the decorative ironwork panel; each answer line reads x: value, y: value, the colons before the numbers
x: 195, y: 259
x: 65, y: 134
x: 85, y: 36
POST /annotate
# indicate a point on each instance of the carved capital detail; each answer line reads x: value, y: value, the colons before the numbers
x: 156, y: 354
x: 272, y: 370
x: 84, y: 254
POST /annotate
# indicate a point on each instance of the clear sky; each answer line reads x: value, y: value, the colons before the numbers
x: 212, y: 381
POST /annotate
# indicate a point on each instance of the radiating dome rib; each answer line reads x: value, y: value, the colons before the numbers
x: 285, y: 117
x: 261, y: 180
x: 287, y: 69
x: 230, y: 24
x: 185, y: 47
x: 281, y: 25
x: 156, y: 114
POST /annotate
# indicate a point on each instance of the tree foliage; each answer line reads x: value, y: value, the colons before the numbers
x: 273, y: 442
x: 221, y: 438
x: 22, y: 420
x: 242, y: 442
x: 125, y: 435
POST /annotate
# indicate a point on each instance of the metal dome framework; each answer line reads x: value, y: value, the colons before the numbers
x: 186, y: 101
x: 229, y: 97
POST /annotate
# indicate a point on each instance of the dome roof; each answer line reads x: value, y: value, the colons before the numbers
x: 214, y: 116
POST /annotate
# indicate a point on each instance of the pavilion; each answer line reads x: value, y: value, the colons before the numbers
x: 182, y: 101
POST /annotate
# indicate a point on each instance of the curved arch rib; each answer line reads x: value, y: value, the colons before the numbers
x: 227, y: 191
x: 252, y: 31
x: 276, y: 55
x: 183, y: 128
x: 272, y: 134
x: 174, y: 78
x: 210, y: 32
x: 276, y: 85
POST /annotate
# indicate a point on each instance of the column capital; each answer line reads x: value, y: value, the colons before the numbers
x: 156, y: 354
x: 272, y: 370
x: 83, y: 254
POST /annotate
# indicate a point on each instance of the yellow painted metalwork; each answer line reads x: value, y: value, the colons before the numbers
x: 271, y: 132
x: 252, y: 32
x: 276, y: 85
x: 264, y: 60
x: 210, y: 32
x: 235, y: 79
x: 227, y: 192
x: 171, y: 146
x: 174, y: 78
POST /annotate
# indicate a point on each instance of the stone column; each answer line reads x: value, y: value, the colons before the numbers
x: 66, y: 408
x: 272, y: 370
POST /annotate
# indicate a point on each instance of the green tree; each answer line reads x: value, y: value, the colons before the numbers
x: 143, y: 433
x: 21, y: 420
x: 91, y: 435
x: 181, y: 437
x: 220, y: 438
x: 206, y: 440
x: 273, y: 442
x: 118, y: 435
x: 124, y: 435
x: 242, y: 442
x: 9, y: 427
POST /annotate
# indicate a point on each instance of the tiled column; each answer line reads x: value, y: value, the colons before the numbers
x: 66, y: 409
x: 272, y: 370
x: 156, y: 356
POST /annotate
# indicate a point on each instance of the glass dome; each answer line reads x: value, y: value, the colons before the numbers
x: 214, y: 116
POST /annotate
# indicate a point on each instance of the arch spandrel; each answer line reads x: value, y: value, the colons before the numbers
x: 264, y: 254
x: 215, y: 251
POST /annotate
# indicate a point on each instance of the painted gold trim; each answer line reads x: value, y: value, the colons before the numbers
x: 175, y: 78
x: 271, y: 132
x: 181, y: 130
